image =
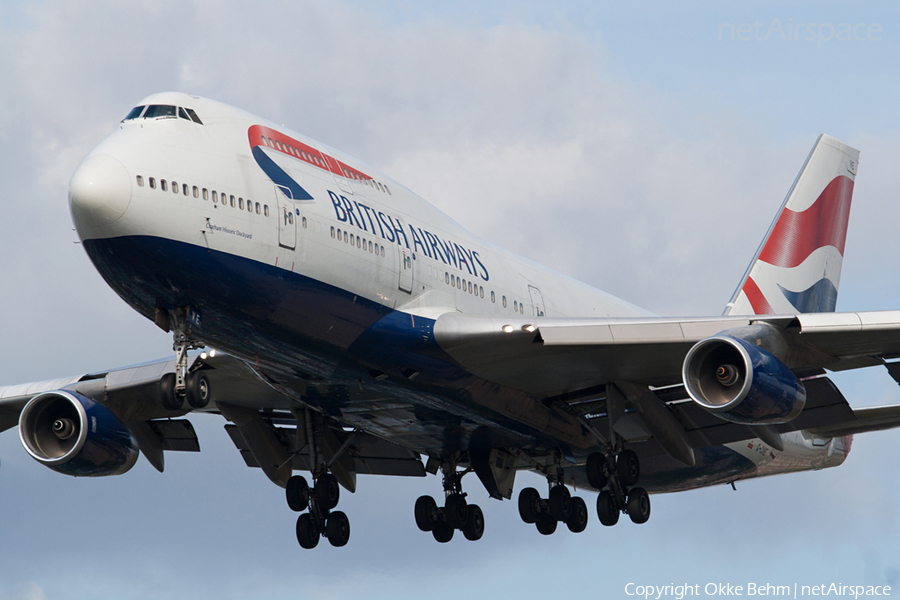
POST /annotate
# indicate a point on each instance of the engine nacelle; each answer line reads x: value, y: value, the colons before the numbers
x: 76, y: 436
x: 741, y: 383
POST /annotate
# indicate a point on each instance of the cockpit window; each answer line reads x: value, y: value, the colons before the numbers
x: 135, y: 113
x: 194, y: 116
x: 183, y: 114
x: 159, y: 110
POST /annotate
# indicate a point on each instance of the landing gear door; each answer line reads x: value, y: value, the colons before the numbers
x: 406, y: 270
x: 287, y: 219
x: 537, y: 301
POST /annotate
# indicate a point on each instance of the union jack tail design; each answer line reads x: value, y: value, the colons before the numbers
x: 798, y: 265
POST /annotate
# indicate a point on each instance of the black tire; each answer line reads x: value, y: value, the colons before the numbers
x: 560, y: 503
x: 578, y: 518
x: 546, y: 524
x: 426, y: 513
x: 594, y: 468
x: 297, y: 493
x: 474, y: 527
x: 529, y: 505
x: 337, y: 529
x: 327, y: 491
x: 456, y: 511
x: 198, y: 390
x: 167, y: 396
x: 638, y: 505
x: 607, y: 511
x: 306, y: 532
x: 628, y: 467
x: 442, y: 532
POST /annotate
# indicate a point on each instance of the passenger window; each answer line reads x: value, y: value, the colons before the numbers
x: 270, y: 143
x: 516, y: 305
x: 345, y: 236
x: 493, y: 297
x: 303, y: 222
x: 370, y: 247
x: 140, y: 179
x: 481, y: 291
x: 152, y: 184
x: 196, y: 192
x: 232, y: 201
x: 266, y: 211
x: 205, y: 194
x: 357, y: 242
x: 241, y: 203
x: 382, y: 251
x: 332, y: 232
x: 504, y: 301
x: 184, y: 189
x: 215, y: 197
x: 470, y: 287
x: 387, y: 190
x: 257, y: 208
x: 162, y: 185
x: 352, y: 240
x: 249, y: 205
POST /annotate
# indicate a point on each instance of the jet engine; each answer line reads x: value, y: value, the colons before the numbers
x: 741, y: 383
x: 76, y: 436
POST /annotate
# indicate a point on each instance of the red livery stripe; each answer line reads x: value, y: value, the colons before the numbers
x: 798, y: 234
x: 757, y: 300
x: 274, y: 140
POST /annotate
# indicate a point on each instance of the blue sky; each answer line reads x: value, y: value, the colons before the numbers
x: 625, y: 145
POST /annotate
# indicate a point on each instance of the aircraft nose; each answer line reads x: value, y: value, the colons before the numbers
x: 99, y: 192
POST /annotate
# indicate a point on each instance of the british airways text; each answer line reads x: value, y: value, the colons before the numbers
x: 391, y: 229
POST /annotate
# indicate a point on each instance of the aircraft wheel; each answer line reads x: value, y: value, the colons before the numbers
x: 578, y: 518
x: 297, y: 493
x: 546, y: 524
x: 426, y: 513
x: 607, y: 511
x: 628, y: 467
x: 529, y: 505
x: 327, y: 491
x: 337, y: 529
x: 306, y: 531
x: 638, y: 505
x: 170, y: 400
x: 594, y: 470
x: 442, y: 532
x: 474, y: 527
x: 560, y: 503
x: 198, y: 389
x: 456, y: 511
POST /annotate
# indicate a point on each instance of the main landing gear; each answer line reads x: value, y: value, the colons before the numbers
x: 456, y: 514
x: 321, y: 520
x: 559, y: 507
x: 615, y: 474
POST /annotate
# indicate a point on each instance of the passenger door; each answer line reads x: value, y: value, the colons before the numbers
x: 287, y: 218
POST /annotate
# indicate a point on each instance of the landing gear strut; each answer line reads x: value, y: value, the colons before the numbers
x: 559, y: 507
x: 615, y: 474
x: 456, y: 514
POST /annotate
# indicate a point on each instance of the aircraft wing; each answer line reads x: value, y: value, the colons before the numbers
x: 554, y: 356
x: 243, y: 394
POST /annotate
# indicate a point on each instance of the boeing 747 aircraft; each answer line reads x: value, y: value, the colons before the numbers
x: 339, y: 324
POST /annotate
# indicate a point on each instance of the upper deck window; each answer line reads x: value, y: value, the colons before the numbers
x: 160, y: 110
x: 135, y: 113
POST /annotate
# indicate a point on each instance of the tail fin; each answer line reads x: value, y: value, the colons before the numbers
x: 798, y: 266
